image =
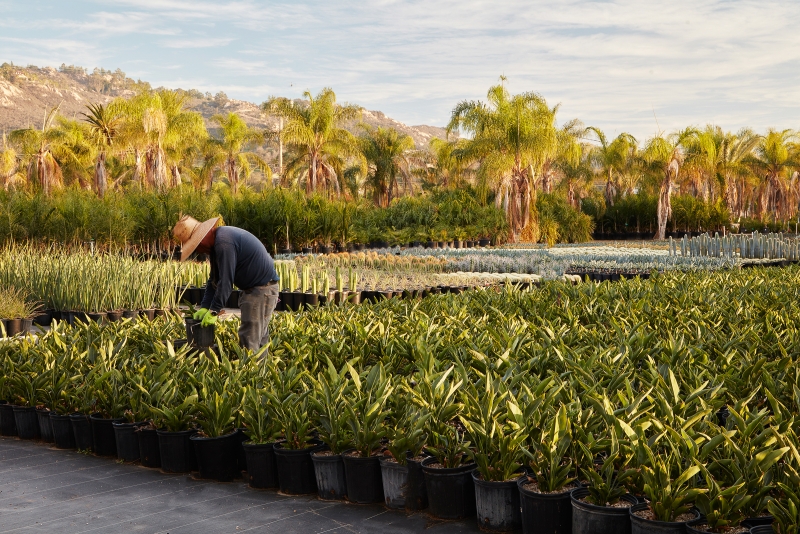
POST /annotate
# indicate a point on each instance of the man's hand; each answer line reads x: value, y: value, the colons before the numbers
x: 199, y: 314
x: 209, y: 319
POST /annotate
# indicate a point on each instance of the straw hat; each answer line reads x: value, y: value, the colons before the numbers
x: 190, y: 232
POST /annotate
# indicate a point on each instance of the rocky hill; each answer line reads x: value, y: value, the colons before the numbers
x: 26, y: 93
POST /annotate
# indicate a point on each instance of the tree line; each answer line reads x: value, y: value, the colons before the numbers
x: 515, y: 149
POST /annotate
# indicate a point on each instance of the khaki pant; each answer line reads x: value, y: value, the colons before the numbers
x: 257, y: 305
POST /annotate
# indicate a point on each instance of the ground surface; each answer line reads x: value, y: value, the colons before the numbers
x: 43, y: 489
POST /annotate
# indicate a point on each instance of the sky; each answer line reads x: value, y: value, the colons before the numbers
x: 636, y: 66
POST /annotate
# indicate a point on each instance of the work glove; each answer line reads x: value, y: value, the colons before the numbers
x: 209, y: 319
x: 199, y: 314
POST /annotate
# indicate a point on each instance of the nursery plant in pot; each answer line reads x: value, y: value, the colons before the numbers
x: 496, y: 426
x: 329, y: 409
x: 216, y: 444
x: 669, y: 490
x: 290, y: 410
x: 366, y: 412
x: 722, y: 508
x: 26, y: 384
x: 173, y: 417
x: 262, y: 471
x: 401, y: 465
x: 545, y: 500
x: 603, y: 506
x: 786, y: 510
x: 448, y: 472
x: 110, y: 401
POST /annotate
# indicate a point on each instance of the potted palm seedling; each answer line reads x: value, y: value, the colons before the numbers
x: 330, y: 417
x: 603, y: 506
x: 495, y: 425
x: 448, y: 472
x: 366, y: 412
x: 401, y: 464
x: 669, y: 490
x: 546, y: 506
x: 289, y: 407
x: 262, y: 431
x: 109, y: 400
x: 215, y: 445
x: 173, y: 417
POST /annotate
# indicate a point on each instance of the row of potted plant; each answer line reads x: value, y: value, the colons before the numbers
x: 680, y: 416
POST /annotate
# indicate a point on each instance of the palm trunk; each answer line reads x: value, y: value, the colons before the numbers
x: 664, y: 209
x: 175, y: 173
x: 41, y: 171
x: 100, y: 177
x: 311, y: 185
x: 233, y: 177
x: 609, y: 193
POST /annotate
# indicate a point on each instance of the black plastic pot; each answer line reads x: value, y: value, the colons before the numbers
x: 130, y: 314
x: 364, y: 483
x: 296, y: 469
x: 103, y: 439
x: 189, y: 325
x: 497, y: 504
x: 451, y: 492
x: 81, y: 431
x: 416, y: 492
x: 395, y: 482
x: 45, y: 426
x: 764, y: 520
x: 177, y: 451
x: 203, y: 335
x: 692, y: 527
x: 262, y: 471
x: 114, y: 316
x: 545, y: 513
x: 127, y: 441
x: 484, y: 242
x: 149, y: 448
x: 241, y: 457
x: 8, y: 423
x: 591, y: 519
x: 97, y: 317
x: 762, y: 529
x: 44, y: 318
x: 331, y: 479
x: 62, y: 431
x: 640, y: 525
x: 149, y: 313
x: 27, y: 422
x: 13, y: 326
x: 217, y: 457
x: 311, y: 300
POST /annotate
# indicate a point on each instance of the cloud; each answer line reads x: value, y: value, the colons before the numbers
x: 614, y: 63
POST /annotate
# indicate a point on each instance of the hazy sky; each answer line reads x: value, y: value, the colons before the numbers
x: 612, y: 64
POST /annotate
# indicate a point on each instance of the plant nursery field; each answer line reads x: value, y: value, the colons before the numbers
x: 587, y: 406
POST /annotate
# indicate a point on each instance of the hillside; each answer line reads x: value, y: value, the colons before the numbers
x: 26, y: 93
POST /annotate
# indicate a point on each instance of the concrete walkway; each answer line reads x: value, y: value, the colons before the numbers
x: 43, y: 489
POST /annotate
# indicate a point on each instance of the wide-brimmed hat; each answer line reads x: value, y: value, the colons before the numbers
x: 190, y: 232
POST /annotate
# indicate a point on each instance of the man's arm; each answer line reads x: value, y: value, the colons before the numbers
x: 208, y: 295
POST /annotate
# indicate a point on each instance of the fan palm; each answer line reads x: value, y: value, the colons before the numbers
x: 37, y: 152
x: 229, y: 152
x: 613, y: 159
x: 774, y: 160
x: 9, y: 166
x: 104, y: 123
x: 511, y: 135
x: 388, y: 155
x: 314, y: 131
x: 663, y: 155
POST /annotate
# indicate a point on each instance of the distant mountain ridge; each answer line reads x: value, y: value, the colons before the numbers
x: 27, y: 93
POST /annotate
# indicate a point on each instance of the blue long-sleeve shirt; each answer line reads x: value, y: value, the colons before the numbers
x: 237, y: 257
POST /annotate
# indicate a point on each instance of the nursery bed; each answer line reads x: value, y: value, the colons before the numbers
x: 48, y: 490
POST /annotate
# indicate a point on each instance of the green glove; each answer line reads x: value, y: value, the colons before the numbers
x: 209, y: 319
x: 199, y: 314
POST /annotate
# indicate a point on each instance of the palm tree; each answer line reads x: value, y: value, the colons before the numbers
x: 663, y: 156
x: 157, y: 123
x: 614, y: 159
x: 314, y: 130
x: 387, y: 153
x: 104, y: 123
x: 230, y: 152
x: 775, y: 158
x: 441, y: 167
x: 575, y: 167
x: 9, y: 166
x: 511, y: 136
x: 37, y: 152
